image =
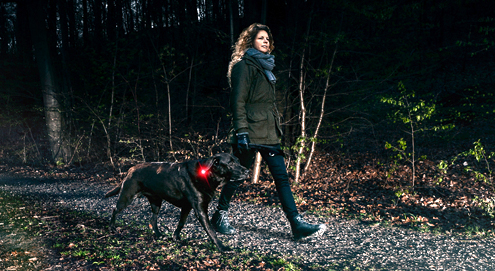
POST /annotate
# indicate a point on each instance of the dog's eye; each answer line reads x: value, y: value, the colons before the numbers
x: 216, y: 163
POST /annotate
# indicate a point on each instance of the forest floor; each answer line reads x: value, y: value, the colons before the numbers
x: 39, y: 236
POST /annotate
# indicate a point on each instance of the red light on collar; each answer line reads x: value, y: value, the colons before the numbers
x: 203, y: 171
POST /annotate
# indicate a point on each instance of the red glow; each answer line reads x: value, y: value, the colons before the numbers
x: 204, y: 173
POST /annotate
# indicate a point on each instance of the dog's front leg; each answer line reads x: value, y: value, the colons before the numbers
x: 201, y: 211
x: 156, y: 204
x: 184, y: 212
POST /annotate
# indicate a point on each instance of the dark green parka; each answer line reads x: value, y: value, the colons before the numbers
x: 252, y: 101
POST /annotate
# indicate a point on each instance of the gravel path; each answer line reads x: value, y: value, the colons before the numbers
x: 265, y: 229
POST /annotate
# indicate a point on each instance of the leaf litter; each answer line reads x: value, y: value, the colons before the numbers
x: 374, y: 219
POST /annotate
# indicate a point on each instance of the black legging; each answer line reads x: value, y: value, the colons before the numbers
x: 276, y: 164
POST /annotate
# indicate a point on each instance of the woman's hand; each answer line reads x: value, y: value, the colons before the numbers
x: 243, y: 142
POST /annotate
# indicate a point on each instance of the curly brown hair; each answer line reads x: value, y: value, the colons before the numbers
x: 245, y: 41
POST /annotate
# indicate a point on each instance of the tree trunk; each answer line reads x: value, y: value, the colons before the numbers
x: 85, y: 23
x: 4, y: 42
x: 111, y: 20
x: 322, y: 113
x: 98, y: 22
x: 256, y: 168
x: 231, y: 23
x: 71, y: 12
x: 22, y: 35
x: 188, y: 115
x: 129, y: 17
x: 53, y: 110
x: 302, y: 138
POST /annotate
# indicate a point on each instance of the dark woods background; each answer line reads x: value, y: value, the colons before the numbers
x: 108, y: 81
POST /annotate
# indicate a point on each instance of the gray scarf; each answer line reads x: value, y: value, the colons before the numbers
x: 266, y: 61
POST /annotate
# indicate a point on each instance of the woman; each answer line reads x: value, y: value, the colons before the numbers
x: 256, y: 120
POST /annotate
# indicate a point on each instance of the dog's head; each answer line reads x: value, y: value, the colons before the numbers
x: 223, y: 166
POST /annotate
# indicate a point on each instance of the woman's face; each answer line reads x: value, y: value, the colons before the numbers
x: 262, y: 42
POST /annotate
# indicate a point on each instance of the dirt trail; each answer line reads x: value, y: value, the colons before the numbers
x: 265, y: 229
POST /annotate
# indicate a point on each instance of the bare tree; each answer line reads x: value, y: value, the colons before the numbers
x: 322, y: 112
x: 59, y: 146
x: 302, y: 117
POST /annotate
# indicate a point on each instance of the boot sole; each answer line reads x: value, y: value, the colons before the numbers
x: 314, y: 235
x: 229, y: 233
x: 225, y: 233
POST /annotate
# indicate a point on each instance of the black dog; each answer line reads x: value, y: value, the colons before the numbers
x: 188, y: 185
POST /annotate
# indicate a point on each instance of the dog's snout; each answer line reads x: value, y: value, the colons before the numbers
x: 240, y: 173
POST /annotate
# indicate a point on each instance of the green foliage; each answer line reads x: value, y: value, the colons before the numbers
x: 480, y: 163
x: 401, y: 192
x: 410, y: 110
x: 284, y: 264
x: 413, y: 113
x: 398, y: 156
x: 60, y: 161
x: 401, y: 154
x: 487, y: 205
x: 300, y: 141
x: 136, y: 148
x: 483, y: 41
x: 483, y: 157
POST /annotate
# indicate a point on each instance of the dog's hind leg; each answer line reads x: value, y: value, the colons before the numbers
x: 156, y: 204
x: 184, y: 213
x: 121, y: 205
x: 125, y: 198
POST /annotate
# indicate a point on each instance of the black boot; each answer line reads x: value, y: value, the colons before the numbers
x: 303, y: 230
x: 220, y: 221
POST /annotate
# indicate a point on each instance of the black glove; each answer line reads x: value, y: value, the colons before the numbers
x: 243, y: 142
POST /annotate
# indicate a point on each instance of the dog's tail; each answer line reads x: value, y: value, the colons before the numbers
x: 113, y: 192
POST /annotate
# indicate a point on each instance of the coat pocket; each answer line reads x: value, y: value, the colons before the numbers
x: 258, y: 123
